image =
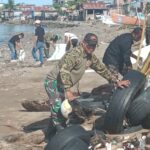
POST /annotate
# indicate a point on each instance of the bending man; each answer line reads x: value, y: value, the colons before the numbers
x: 68, y: 71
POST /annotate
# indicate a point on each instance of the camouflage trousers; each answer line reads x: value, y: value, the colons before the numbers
x: 56, y: 95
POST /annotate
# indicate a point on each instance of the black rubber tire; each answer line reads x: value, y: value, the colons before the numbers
x: 76, y: 144
x: 146, y: 122
x: 139, y: 108
x: 59, y: 141
x: 132, y: 129
x: 121, y: 100
x: 93, y: 105
x: 138, y: 111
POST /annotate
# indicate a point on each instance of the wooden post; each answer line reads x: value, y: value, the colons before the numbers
x: 142, y: 38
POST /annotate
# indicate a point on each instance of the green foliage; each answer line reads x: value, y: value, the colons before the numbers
x: 57, y: 6
x: 10, y: 5
x: 68, y: 4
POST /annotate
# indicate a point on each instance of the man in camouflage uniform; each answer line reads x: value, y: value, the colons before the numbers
x: 69, y: 71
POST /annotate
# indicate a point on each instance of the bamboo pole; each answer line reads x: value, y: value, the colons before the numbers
x: 142, y: 37
x: 146, y: 67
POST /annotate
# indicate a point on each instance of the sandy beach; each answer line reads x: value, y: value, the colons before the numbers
x: 23, y: 81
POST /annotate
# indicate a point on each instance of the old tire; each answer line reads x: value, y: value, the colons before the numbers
x: 139, y: 108
x: 146, y: 122
x: 121, y: 100
x: 59, y: 141
x: 75, y: 144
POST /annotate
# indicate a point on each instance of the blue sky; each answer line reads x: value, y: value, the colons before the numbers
x: 36, y: 2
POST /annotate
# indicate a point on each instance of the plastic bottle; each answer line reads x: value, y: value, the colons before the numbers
x: 142, y: 143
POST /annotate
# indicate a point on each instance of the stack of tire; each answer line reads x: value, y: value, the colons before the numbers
x: 71, y: 138
x: 132, y: 102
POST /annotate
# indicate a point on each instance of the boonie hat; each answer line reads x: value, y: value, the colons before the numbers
x: 37, y: 22
x: 91, y: 39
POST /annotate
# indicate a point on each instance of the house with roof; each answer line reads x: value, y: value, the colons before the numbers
x: 90, y: 10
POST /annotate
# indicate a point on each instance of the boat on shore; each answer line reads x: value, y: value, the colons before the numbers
x: 127, y: 20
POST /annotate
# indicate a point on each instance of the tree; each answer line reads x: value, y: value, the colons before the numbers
x: 10, y: 5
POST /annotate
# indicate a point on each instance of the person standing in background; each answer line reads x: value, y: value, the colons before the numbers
x: 38, y: 43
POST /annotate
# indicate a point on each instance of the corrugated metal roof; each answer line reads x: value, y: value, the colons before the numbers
x: 99, y: 5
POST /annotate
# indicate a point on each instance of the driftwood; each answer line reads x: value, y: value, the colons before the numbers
x: 13, y: 146
x: 36, y: 137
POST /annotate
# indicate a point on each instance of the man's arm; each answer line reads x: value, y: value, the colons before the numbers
x: 19, y: 45
x: 67, y: 64
x: 127, y: 59
x: 66, y: 39
x: 101, y: 69
x: 34, y: 41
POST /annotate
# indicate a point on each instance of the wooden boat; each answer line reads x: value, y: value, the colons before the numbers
x: 127, y: 20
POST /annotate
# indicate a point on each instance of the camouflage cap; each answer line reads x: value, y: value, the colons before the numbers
x: 91, y: 39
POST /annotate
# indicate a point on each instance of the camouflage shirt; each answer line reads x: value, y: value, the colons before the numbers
x: 73, y: 65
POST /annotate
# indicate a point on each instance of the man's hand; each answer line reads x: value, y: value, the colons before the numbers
x: 123, y: 83
x: 70, y: 96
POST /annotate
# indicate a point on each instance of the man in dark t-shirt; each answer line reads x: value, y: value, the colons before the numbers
x: 14, y: 43
x: 38, y: 43
x: 118, y: 53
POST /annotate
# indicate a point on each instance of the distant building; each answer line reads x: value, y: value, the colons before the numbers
x: 34, y: 12
x: 61, y: 1
x: 1, y: 6
x: 91, y: 9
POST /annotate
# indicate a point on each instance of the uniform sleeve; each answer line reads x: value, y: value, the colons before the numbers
x: 101, y: 69
x: 69, y: 61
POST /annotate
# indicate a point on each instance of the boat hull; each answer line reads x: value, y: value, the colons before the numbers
x: 128, y: 20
